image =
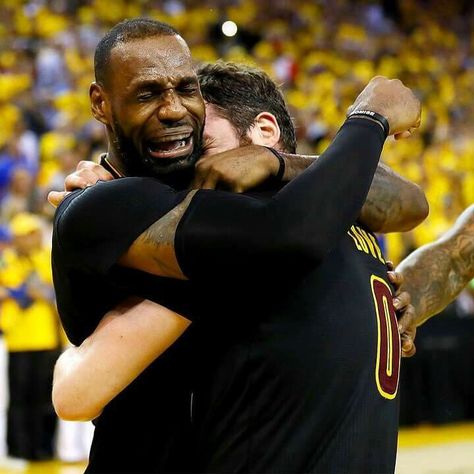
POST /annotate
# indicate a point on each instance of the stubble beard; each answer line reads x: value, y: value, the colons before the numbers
x: 176, y: 172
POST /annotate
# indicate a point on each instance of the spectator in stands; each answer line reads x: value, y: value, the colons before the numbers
x: 31, y: 331
x: 4, y: 243
x: 20, y: 196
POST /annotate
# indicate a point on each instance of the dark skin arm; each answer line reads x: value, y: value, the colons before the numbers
x: 393, y: 204
x: 436, y: 273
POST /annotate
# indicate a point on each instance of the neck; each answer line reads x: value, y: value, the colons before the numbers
x: 179, y: 180
x: 111, y: 158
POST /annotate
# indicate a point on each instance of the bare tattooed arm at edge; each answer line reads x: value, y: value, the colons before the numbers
x: 437, y: 272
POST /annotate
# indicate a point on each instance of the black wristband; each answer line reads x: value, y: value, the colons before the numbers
x: 281, y: 169
x: 374, y: 116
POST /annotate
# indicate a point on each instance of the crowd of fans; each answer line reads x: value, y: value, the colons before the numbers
x: 321, y: 52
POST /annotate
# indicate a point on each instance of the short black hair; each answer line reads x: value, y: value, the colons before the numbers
x: 126, y: 30
x: 240, y: 93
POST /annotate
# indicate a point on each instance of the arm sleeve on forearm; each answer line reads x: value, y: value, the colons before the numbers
x: 233, y: 234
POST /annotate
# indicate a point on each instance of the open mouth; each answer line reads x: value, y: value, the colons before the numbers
x: 171, y: 147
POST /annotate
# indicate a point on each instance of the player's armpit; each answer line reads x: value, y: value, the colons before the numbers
x: 154, y: 251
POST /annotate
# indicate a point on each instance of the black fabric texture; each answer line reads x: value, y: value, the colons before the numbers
x: 236, y: 235
x: 286, y: 373
x: 93, y: 228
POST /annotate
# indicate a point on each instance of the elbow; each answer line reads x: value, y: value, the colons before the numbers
x: 70, y: 407
x: 419, y: 210
x: 413, y: 212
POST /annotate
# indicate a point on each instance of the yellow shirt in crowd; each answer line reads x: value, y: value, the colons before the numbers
x: 35, y: 327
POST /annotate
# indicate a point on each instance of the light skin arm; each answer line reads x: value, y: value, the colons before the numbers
x: 89, y: 376
x: 436, y: 273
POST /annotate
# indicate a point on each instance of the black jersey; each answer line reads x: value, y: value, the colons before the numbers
x: 145, y: 428
x: 295, y: 229
x: 312, y: 386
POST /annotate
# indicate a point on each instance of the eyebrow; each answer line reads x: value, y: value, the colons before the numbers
x: 156, y: 84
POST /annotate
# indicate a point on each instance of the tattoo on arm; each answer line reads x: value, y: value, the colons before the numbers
x: 436, y: 273
x: 163, y: 231
x: 393, y: 204
x: 154, y: 251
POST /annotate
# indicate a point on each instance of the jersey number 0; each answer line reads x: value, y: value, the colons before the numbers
x: 387, y: 368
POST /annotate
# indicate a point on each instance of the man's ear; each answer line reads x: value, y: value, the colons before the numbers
x: 265, y: 130
x: 99, y: 104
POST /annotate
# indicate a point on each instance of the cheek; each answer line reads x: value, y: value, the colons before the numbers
x: 196, y: 108
x: 132, y: 115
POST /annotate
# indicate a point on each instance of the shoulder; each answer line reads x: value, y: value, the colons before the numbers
x: 96, y: 208
x: 110, y: 193
x: 95, y: 226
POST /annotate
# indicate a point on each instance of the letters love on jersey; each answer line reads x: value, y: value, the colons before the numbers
x: 366, y: 242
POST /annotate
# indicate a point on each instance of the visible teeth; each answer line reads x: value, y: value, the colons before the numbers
x: 169, y: 146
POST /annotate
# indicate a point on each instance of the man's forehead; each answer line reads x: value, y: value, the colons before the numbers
x: 157, y: 53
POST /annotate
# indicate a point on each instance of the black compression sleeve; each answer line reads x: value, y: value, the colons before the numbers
x: 238, y: 235
x: 94, y: 227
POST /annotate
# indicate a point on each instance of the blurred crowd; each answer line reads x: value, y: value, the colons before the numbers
x: 321, y: 52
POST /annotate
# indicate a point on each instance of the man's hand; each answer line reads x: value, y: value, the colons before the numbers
x: 236, y: 170
x: 393, y: 100
x: 405, y: 312
x: 87, y: 173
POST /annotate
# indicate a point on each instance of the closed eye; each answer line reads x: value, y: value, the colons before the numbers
x: 188, y: 87
x: 145, y: 96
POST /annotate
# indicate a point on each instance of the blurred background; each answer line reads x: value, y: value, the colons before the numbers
x: 322, y: 53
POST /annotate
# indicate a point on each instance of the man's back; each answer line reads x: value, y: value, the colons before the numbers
x: 298, y: 391
x: 146, y: 427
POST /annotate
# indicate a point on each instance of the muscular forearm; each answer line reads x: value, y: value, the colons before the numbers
x: 126, y: 341
x: 393, y: 204
x: 436, y: 273
x: 295, y: 165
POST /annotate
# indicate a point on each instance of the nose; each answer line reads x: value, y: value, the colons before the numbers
x: 171, y: 109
